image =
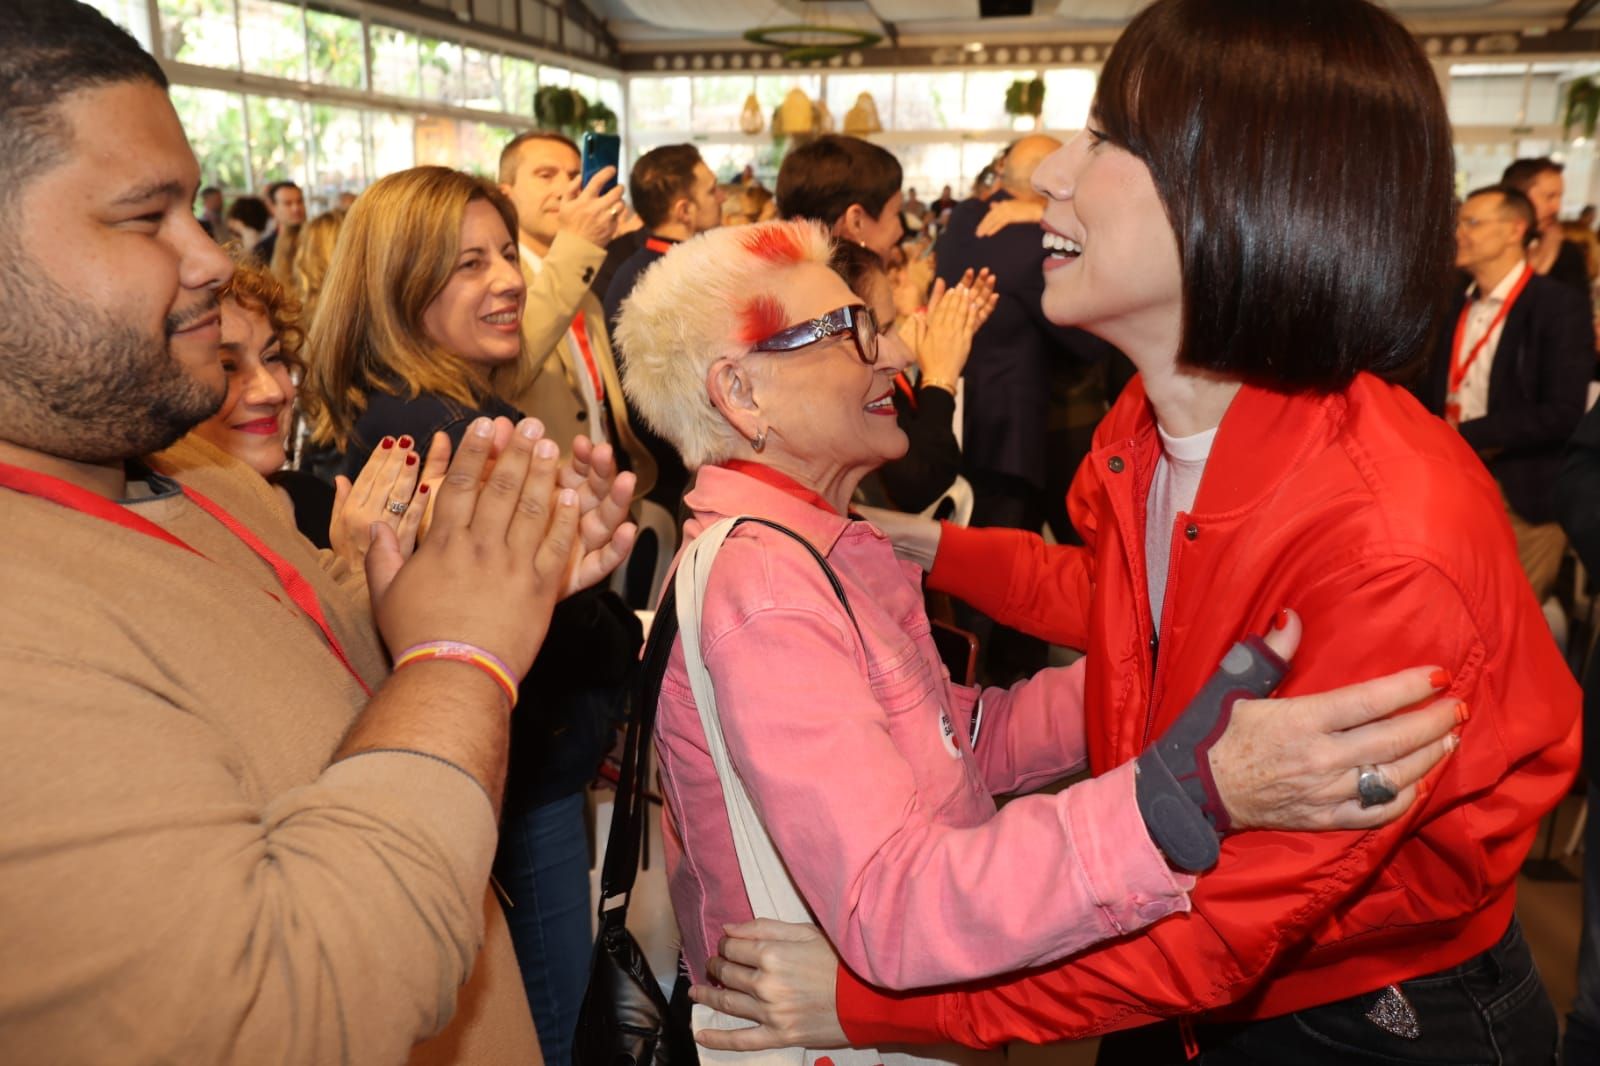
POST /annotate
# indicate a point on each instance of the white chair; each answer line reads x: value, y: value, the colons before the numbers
x: 960, y: 496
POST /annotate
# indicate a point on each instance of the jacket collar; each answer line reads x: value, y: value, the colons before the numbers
x: 721, y: 492
x: 1264, y: 437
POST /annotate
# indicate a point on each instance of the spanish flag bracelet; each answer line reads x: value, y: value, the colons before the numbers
x: 456, y: 651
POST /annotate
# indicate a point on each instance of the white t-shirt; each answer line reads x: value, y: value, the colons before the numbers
x: 1474, y: 394
x: 1177, y: 480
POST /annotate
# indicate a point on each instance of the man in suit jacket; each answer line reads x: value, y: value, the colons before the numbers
x: 1014, y: 356
x: 567, y: 376
x: 1513, y: 373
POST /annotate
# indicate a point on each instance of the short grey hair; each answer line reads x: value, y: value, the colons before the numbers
x: 707, y: 299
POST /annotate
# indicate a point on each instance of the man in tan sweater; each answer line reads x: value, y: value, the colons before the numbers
x: 217, y: 846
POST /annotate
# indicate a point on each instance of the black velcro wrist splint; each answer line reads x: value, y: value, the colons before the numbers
x: 1177, y: 796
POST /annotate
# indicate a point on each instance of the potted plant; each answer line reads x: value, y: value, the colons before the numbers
x: 1583, y: 106
x: 557, y: 107
x: 1025, y: 99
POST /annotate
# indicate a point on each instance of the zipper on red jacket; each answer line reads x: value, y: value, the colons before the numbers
x: 1178, y: 521
x: 1191, y: 1046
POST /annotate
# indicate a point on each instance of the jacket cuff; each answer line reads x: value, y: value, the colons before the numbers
x: 871, y: 1017
x: 959, y: 561
x: 934, y: 402
x: 1135, y: 884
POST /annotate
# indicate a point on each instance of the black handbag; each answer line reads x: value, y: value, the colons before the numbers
x: 625, y: 1019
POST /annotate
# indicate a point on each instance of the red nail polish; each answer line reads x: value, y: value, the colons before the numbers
x: 405, y: 442
x: 1282, y: 620
x: 1439, y: 678
x: 411, y: 460
x: 387, y: 442
x: 1463, y: 714
x: 422, y: 489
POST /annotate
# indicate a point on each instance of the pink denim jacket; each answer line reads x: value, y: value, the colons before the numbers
x: 856, y: 757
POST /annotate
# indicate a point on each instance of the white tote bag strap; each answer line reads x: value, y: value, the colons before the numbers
x: 767, y: 883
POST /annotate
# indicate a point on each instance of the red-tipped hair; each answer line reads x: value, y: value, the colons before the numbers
x: 760, y: 318
x: 781, y: 243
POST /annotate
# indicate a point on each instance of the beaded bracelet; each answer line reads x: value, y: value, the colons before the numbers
x: 455, y: 651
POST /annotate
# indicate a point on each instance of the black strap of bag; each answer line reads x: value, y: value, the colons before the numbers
x: 625, y: 1018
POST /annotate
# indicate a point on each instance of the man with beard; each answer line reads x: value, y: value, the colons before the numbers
x: 230, y: 834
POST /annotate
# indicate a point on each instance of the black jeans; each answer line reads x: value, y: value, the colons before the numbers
x: 1490, y: 1010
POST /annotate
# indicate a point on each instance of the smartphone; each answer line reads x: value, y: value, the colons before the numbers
x: 600, y: 150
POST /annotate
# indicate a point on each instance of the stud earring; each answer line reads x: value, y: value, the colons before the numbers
x: 760, y: 441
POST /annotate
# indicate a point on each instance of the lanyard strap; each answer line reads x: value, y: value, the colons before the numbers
x: 903, y: 383
x: 83, y: 501
x: 580, y: 330
x: 1458, y: 365
x: 659, y: 246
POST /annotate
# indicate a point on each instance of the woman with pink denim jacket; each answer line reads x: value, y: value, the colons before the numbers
x: 872, y: 772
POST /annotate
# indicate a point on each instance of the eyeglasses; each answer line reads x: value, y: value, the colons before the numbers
x: 854, y: 319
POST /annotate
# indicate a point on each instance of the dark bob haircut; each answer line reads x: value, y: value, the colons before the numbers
x: 822, y: 179
x: 1303, y: 154
x: 661, y: 178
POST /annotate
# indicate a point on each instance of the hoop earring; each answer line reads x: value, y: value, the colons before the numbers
x: 760, y: 441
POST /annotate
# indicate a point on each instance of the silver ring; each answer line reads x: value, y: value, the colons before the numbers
x: 398, y: 506
x: 1372, y: 788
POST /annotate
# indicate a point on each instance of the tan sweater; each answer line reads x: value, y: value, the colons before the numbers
x: 183, y: 877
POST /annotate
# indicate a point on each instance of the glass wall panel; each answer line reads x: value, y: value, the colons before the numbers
x: 1487, y: 94
x: 273, y: 37
x: 336, y: 56
x: 985, y: 107
x: 555, y: 76
x: 394, y: 62
x: 277, y: 140
x: 202, y: 32
x: 658, y: 104
x: 772, y: 88
x: 338, y: 164
x: 718, y: 101
x: 519, y: 79
x: 1067, y: 96
x: 585, y: 85
x: 975, y: 155
x: 610, y: 92
x: 393, y: 142
x: 930, y: 167
x: 480, y: 73
x: 441, y: 69
x: 131, y: 15
x: 214, y: 122
x: 927, y: 101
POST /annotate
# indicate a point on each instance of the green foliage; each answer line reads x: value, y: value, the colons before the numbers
x: 1025, y: 97
x: 1583, y: 106
x: 557, y: 107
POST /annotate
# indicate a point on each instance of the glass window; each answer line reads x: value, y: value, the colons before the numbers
x: 555, y: 76
x: 336, y: 50
x: 214, y: 122
x: 480, y: 72
x: 718, y: 101
x: 1487, y: 94
x: 975, y: 155
x: 200, y: 32
x: 441, y: 69
x: 519, y: 79
x: 437, y: 142
x: 274, y: 39
x: 339, y: 165
x: 277, y: 139
x: 925, y: 101
x: 394, y: 62
x: 658, y: 104
x: 585, y: 85
x: 930, y: 167
x: 131, y: 15
x: 1067, y: 96
x: 393, y: 142
x: 985, y: 107
x: 727, y: 161
x: 610, y: 92
x: 845, y: 89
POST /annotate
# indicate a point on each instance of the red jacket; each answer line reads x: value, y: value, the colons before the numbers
x: 1378, y: 524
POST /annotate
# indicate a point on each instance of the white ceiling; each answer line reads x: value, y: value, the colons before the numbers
x: 649, y: 23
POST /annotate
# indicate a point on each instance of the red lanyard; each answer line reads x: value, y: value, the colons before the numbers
x: 1458, y: 365
x: 778, y: 480
x: 83, y: 501
x: 903, y: 383
x: 582, y: 332
x: 659, y: 246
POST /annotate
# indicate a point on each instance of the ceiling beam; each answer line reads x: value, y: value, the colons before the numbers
x: 1580, y: 10
x: 892, y: 32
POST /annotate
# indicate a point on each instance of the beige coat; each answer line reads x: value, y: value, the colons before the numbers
x: 183, y: 876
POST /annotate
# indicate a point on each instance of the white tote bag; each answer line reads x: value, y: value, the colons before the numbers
x: 772, y: 894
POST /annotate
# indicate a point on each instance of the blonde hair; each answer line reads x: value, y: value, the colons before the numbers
x: 394, y: 255
x: 312, y: 256
x: 709, y: 298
